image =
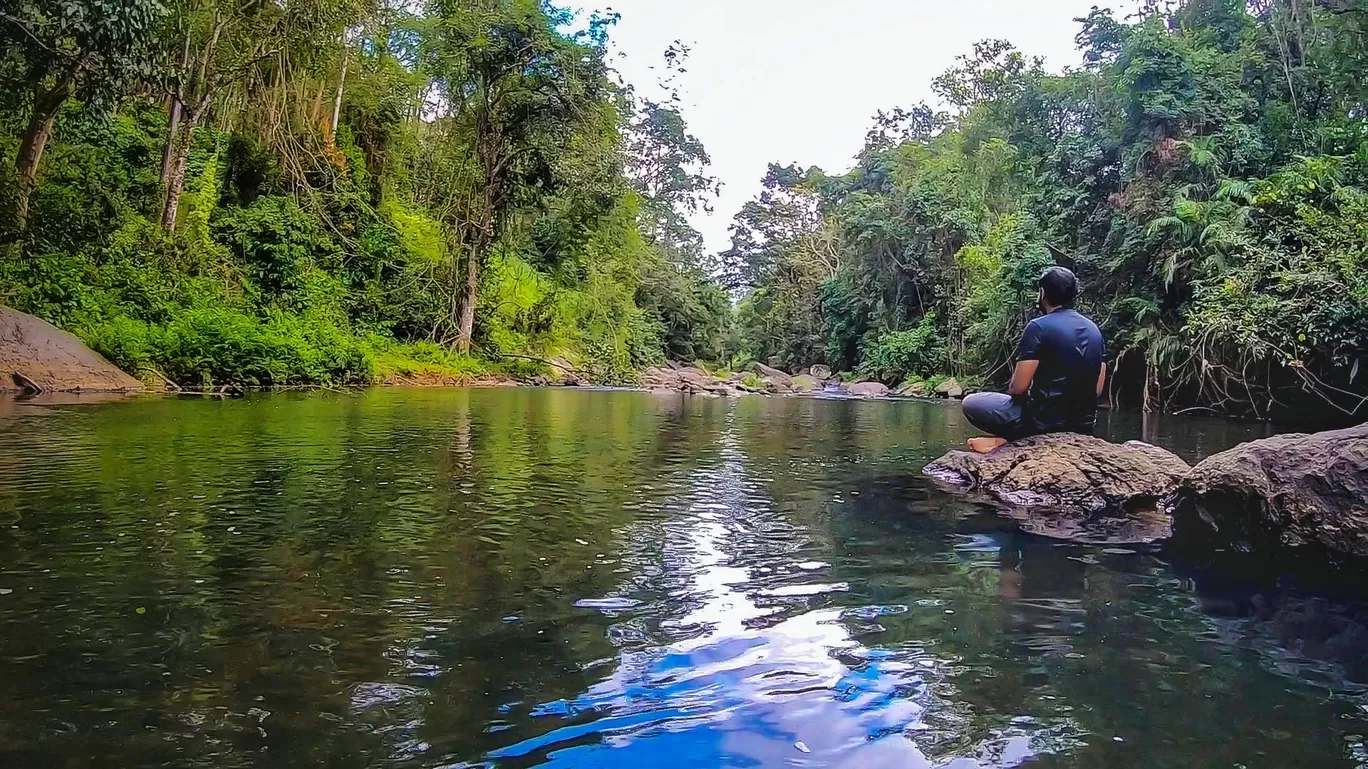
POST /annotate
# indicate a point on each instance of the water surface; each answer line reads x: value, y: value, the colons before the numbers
x: 517, y: 578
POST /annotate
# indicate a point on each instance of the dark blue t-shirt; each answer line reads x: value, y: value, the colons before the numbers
x: 1063, y: 395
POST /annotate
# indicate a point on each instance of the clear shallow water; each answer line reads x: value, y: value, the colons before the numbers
x: 522, y: 578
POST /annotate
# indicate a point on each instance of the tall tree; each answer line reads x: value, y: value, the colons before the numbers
x: 512, y: 94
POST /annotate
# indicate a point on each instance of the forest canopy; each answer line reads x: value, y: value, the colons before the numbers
x: 277, y: 192
x: 1203, y: 173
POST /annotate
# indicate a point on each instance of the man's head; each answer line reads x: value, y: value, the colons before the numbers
x: 1058, y: 288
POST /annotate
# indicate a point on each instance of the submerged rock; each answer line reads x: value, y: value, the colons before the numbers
x: 868, y: 389
x: 37, y: 356
x: 1285, y: 491
x: 1066, y: 472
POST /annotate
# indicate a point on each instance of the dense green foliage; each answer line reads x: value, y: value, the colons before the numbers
x: 1205, y: 173
x: 346, y: 191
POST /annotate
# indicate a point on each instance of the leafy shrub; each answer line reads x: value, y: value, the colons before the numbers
x: 277, y: 245
x: 416, y: 359
x: 126, y: 342
x: 899, y: 354
x: 215, y: 345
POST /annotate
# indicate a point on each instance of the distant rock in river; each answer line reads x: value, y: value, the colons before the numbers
x: 868, y: 389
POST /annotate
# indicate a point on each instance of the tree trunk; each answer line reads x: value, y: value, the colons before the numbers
x: 169, y: 153
x: 45, y: 109
x: 467, y: 328
x: 174, y: 109
x: 337, y: 101
x: 179, y: 151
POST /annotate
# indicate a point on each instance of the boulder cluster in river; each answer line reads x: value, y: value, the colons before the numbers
x: 767, y: 380
x: 1303, y: 492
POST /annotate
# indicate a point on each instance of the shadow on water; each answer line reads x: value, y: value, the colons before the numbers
x: 524, y: 578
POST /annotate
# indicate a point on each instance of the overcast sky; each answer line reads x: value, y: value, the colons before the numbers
x: 800, y: 80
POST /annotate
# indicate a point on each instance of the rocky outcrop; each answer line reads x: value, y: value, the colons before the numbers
x: 950, y: 388
x: 36, y: 356
x: 686, y: 379
x: 1066, y: 471
x: 769, y: 372
x: 695, y: 381
x: 776, y: 381
x: 760, y: 379
x: 868, y: 389
x: 1286, y: 491
x: 913, y: 389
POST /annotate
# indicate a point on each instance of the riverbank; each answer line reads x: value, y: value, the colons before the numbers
x: 41, y: 358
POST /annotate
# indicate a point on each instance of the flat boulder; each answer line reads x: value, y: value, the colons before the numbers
x: 1066, y: 472
x: 1286, y: 491
x: 804, y: 383
x: 36, y: 355
x: 868, y: 389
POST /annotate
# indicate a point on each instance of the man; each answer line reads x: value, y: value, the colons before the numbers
x: 1058, y: 377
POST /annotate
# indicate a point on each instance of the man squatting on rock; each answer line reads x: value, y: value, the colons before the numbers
x: 1058, y: 378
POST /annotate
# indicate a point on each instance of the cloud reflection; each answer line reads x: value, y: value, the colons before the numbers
x: 760, y: 671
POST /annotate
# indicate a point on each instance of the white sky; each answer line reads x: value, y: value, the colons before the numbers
x: 799, y: 80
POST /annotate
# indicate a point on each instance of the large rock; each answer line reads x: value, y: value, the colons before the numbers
x: 1285, y: 491
x: 1066, y: 471
x: 804, y: 383
x: 820, y: 372
x: 35, y: 354
x: 696, y: 375
x: 690, y: 380
x: 913, y: 389
x: 769, y: 373
x: 868, y: 389
x: 950, y: 388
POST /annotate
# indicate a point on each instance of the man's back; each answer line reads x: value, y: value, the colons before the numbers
x: 1063, y: 394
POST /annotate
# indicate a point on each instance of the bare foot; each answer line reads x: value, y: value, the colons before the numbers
x: 985, y: 445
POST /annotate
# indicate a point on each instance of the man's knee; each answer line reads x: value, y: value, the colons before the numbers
x: 993, y: 413
x: 981, y: 406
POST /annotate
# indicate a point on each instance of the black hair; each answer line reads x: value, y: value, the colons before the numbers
x: 1060, y: 286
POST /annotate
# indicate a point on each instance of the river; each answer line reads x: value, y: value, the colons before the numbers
x: 520, y: 577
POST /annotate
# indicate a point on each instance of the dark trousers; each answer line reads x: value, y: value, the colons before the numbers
x: 997, y: 414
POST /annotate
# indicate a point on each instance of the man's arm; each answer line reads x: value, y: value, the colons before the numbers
x: 1102, y: 380
x: 1028, y: 359
x: 1021, y: 377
